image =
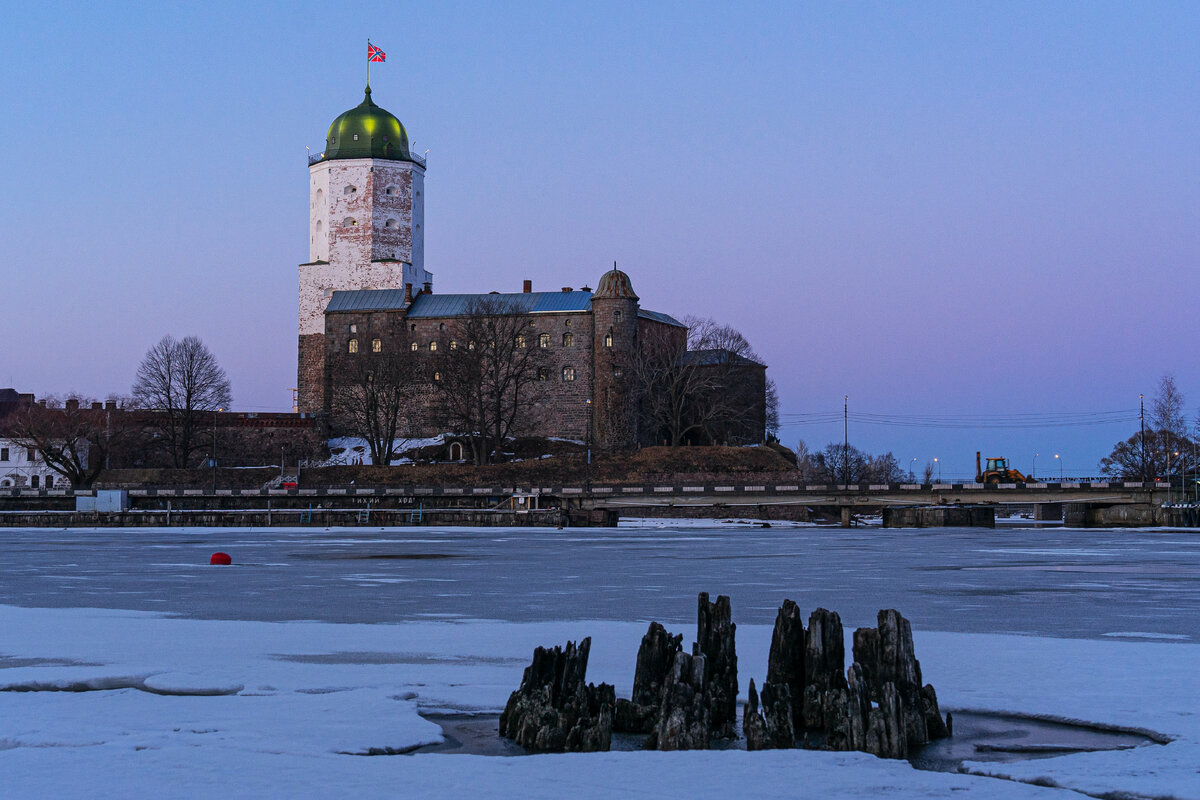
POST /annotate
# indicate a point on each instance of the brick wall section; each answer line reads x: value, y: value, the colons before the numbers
x: 310, y: 372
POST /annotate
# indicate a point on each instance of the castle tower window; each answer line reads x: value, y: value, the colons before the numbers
x: 520, y: 341
x: 437, y: 376
x: 470, y: 345
x: 318, y: 227
x: 433, y: 347
x: 543, y: 374
x: 608, y: 340
x: 616, y: 372
x: 568, y: 340
x: 391, y: 223
x: 454, y: 344
x: 349, y: 190
x: 441, y: 326
x: 617, y: 315
x: 414, y: 347
x: 353, y: 327
x: 413, y: 327
x: 391, y: 190
x: 352, y: 347
x: 567, y: 322
x: 350, y: 222
x: 376, y: 345
x: 568, y: 373
x: 544, y: 340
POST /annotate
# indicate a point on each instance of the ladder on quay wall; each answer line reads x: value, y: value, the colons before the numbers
x: 364, y: 515
x: 417, y: 514
x: 306, y: 515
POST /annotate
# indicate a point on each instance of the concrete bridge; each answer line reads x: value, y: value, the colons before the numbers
x: 1077, y: 503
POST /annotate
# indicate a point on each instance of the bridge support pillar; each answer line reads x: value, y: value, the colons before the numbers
x: 1048, y: 512
x: 846, y: 517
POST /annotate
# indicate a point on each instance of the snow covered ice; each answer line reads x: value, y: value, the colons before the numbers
x: 156, y: 675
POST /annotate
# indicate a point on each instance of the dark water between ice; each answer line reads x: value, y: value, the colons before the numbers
x: 1053, y: 582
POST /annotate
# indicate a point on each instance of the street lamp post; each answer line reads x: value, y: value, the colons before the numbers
x: 1060, y: 469
x: 1034, y: 473
x: 939, y: 466
x: 213, y: 460
x: 912, y: 475
x: 587, y: 466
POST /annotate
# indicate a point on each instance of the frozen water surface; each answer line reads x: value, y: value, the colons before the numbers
x: 1043, y: 581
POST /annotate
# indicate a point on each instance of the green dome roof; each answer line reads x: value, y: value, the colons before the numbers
x: 367, y: 131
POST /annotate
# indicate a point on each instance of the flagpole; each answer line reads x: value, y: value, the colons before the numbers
x: 368, y: 62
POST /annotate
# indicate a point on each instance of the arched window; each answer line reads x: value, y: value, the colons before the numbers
x: 568, y: 340
x: 350, y: 222
x: 617, y: 315
x: 520, y: 341
x: 353, y: 327
x: 391, y: 223
x: 413, y: 327
x: 414, y: 347
x: 608, y: 340
x: 376, y: 345
x: 353, y: 346
x: 456, y: 451
x: 454, y: 344
x: 437, y: 376
x: 568, y: 373
x: 544, y: 340
x: 543, y: 374
x: 441, y: 326
x: 320, y: 196
x: 470, y: 345
x: 318, y: 227
x: 433, y: 347
x: 350, y: 189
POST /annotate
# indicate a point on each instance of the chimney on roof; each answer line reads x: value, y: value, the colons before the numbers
x: 73, y: 404
x: 428, y: 288
x: 526, y: 286
x: 585, y: 288
x: 567, y: 290
x: 408, y: 294
x: 110, y: 405
x: 97, y: 405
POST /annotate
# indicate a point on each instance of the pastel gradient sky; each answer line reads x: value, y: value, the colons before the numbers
x: 934, y: 208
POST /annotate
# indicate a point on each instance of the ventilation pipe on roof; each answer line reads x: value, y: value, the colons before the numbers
x: 526, y: 286
x: 97, y: 405
x: 408, y: 294
x: 567, y: 290
x: 73, y: 404
x: 428, y: 288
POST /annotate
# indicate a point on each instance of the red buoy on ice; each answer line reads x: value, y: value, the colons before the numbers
x: 220, y: 558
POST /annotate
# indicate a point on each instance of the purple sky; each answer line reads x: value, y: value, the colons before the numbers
x: 937, y: 209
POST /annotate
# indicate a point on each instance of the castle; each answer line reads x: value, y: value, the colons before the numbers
x: 365, y: 289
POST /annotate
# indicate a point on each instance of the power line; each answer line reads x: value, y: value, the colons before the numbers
x: 1045, y: 419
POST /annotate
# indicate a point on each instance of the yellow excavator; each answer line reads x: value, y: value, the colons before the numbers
x: 997, y: 472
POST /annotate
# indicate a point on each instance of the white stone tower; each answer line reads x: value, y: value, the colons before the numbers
x: 365, y: 227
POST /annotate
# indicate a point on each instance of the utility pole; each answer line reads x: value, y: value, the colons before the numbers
x: 845, y: 440
x: 1142, y: 416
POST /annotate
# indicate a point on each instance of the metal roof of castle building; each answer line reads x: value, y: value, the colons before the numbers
x: 426, y: 306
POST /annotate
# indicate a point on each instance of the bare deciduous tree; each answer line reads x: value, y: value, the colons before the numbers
x: 1167, y: 409
x: 74, y: 439
x: 697, y: 386
x: 484, y: 385
x: 180, y: 380
x: 372, y: 398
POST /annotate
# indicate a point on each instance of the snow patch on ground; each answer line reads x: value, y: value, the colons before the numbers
x: 312, y: 693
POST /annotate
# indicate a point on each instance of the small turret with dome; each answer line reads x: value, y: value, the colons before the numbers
x: 615, y: 285
x: 367, y: 131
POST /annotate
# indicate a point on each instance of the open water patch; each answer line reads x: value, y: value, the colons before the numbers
x: 979, y: 736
